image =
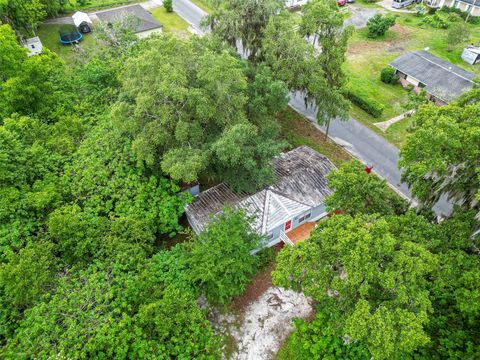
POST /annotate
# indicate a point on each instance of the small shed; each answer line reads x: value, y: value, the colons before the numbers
x: 34, y: 46
x: 471, y: 54
x: 82, y: 21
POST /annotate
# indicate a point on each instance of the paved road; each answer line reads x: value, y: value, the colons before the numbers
x: 362, y: 142
x: 190, y: 13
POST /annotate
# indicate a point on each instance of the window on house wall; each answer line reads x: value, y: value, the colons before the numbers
x: 304, y: 217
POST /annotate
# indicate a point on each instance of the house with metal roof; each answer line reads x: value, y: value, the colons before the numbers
x: 143, y: 21
x: 469, y: 6
x: 442, y: 81
x: 281, y: 212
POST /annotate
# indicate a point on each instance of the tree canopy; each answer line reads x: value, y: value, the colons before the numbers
x: 188, y: 110
x: 442, y: 156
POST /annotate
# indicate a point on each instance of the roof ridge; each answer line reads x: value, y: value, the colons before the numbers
x: 289, y: 198
x: 418, y: 53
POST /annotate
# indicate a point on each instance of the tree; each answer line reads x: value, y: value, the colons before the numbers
x: 244, y: 155
x: 219, y: 259
x: 24, y: 278
x: 317, y: 76
x: 11, y: 55
x: 457, y: 33
x: 243, y: 20
x: 196, y: 98
x: 377, y: 281
x: 379, y: 24
x: 24, y: 14
x: 113, y: 311
x: 359, y: 192
x: 167, y: 4
x: 442, y: 155
x: 35, y: 88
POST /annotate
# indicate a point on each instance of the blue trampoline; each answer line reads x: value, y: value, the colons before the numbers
x: 69, y: 34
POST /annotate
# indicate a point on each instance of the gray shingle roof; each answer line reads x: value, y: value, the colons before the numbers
x: 442, y: 79
x: 300, y: 185
x: 145, y: 20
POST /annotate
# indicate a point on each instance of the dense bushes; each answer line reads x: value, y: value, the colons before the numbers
x: 462, y: 14
x: 363, y: 101
x: 388, y: 75
x: 379, y: 24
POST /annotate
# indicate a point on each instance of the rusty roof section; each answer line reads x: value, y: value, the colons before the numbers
x: 300, y: 185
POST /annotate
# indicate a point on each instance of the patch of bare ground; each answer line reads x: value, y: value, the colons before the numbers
x: 259, y: 321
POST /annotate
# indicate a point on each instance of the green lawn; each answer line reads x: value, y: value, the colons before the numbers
x: 367, y: 57
x: 73, y: 5
x: 172, y: 23
x: 49, y: 35
x: 298, y: 131
x: 204, y: 5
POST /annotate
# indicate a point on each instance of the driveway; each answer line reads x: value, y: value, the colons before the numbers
x: 360, y: 16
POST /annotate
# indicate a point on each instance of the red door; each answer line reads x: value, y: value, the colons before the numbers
x: 288, y: 225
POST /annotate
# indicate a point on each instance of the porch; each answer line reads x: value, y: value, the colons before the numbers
x: 298, y: 234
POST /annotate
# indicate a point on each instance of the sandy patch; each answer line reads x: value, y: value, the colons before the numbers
x: 260, y: 329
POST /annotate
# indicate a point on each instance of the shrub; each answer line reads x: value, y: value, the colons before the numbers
x: 436, y: 21
x: 462, y: 14
x: 420, y: 10
x: 454, y: 17
x: 432, y: 10
x: 379, y: 24
x: 364, y: 102
x: 388, y: 75
x: 168, y: 5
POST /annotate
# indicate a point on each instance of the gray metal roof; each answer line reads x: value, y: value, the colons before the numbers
x: 145, y: 20
x: 442, y: 79
x: 300, y: 185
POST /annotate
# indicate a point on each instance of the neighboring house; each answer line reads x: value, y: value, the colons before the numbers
x: 283, y: 212
x: 34, y: 46
x: 442, y: 81
x: 144, y: 23
x: 470, y: 6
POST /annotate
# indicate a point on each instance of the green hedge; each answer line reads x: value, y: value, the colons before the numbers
x: 363, y: 101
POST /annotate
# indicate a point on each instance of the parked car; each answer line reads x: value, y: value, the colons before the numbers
x: 398, y: 4
x: 341, y: 2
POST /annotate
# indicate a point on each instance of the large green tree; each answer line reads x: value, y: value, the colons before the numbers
x: 359, y: 192
x: 323, y: 20
x: 375, y: 278
x: 442, y: 156
x: 187, y: 104
x: 220, y: 260
x: 244, y: 21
